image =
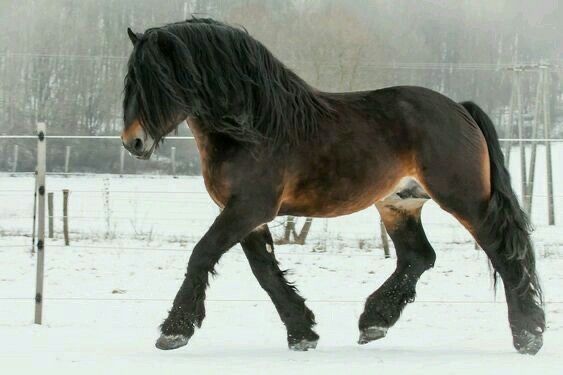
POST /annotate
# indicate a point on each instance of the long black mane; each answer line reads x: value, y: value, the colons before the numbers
x: 223, y: 76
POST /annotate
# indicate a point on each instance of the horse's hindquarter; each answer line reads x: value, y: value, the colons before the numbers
x: 450, y: 152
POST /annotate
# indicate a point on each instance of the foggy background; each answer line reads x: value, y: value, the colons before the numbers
x: 63, y: 61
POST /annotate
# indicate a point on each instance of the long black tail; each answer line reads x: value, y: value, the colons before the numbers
x: 508, y: 225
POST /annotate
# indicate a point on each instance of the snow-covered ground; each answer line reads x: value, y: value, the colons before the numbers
x: 130, y: 238
x: 105, y: 299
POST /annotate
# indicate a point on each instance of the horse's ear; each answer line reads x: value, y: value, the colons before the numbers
x: 133, y: 36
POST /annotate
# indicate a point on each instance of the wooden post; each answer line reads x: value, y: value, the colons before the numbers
x: 173, y: 157
x: 50, y: 213
x: 16, y: 152
x: 121, y: 161
x: 384, y: 239
x: 302, y: 236
x: 289, y: 228
x: 41, y: 189
x: 547, y: 136
x: 67, y: 158
x: 65, y: 216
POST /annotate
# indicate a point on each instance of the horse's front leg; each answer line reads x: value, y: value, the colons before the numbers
x: 239, y: 218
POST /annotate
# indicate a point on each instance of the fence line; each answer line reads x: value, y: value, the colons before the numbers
x: 182, y: 219
x: 147, y: 299
x: 115, y: 191
x: 188, y: 250
x: 204, y: 193
x: 82, y: 137
x: 553, y: 140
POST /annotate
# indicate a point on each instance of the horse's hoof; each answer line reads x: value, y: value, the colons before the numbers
x: 303, y: 345
x: 170, y: 342
x: 528, y: 343
x: 371, y: 334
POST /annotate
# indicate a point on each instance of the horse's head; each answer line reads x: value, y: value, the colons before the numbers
x: 154, y: 102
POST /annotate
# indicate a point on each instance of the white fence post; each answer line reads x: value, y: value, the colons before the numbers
x: 34, y: 215
x: 41, y: 191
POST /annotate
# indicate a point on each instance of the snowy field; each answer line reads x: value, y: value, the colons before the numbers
x: 130, y: 238
x: 103, y: 307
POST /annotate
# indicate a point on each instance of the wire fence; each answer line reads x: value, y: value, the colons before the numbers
x: 98, y: 217
x: 230, y: 300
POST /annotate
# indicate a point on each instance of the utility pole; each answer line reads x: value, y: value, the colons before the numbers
x: 528, y: 198
x: 547, y: 136
x: 542, y: 105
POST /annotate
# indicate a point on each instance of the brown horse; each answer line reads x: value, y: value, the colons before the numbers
x: 271, y: 145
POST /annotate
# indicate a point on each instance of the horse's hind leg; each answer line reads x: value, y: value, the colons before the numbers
x: 473, y: 184
x: 414, y: 256
x: 298, y: 319
x: 501, y: 232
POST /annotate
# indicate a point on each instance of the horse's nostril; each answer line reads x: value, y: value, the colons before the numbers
x: 138, y: 144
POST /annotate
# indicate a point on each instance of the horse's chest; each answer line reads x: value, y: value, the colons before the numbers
x: 212, y: 166
x: 215, y: 182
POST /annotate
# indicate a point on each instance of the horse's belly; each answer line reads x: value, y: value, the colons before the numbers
x: 339, y: 196
x: 324, y: 208
x: 335, y: 202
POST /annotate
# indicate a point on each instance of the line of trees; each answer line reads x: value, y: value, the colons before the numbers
x: 63, y: 61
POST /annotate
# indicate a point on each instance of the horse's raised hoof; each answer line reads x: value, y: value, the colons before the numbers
x: 170, y: 342
x: 303, y: 345
x: 528, y: 343
x: 371, y: 334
